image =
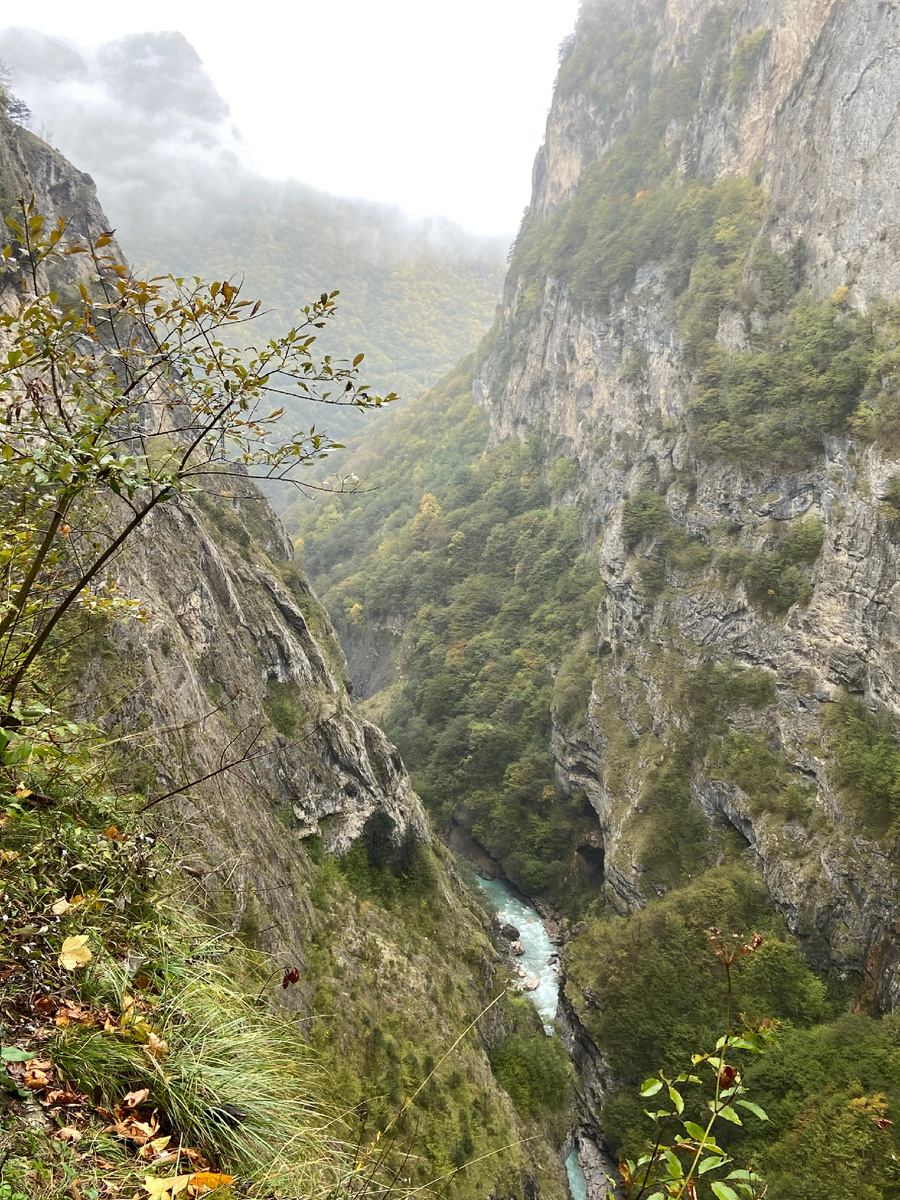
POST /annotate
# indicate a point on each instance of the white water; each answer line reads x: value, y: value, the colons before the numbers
x: 539, y: 950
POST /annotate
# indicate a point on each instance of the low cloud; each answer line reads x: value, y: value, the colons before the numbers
x: 142, y: 116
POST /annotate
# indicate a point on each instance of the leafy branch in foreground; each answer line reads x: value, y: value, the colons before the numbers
x: 120, y: 401
x: 685, y: 1151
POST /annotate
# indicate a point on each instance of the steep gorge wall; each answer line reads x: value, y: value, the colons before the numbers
x: 230, y: 703
x: 812, y: 98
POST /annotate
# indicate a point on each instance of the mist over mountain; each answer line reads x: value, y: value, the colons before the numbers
x: 144, y: 118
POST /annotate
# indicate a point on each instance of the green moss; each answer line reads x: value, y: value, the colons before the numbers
x: 286, y: 706
x: 891, y: 503
x: 226, y: 521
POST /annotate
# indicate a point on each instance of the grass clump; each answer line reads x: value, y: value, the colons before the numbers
x: 131, y: 1021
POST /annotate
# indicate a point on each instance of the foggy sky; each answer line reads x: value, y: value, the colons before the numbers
x: 436, y: 108
x: 139, y: 114
x: 142, y: 116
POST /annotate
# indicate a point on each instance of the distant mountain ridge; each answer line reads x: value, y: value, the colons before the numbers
x: 147, y: 122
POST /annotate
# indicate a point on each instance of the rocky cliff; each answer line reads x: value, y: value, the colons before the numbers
x: 796, y: 103
x: 228, y: 708
x: 227, y: 668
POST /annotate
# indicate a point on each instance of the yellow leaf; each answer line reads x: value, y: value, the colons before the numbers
x: 75, y: 953
x: 166, y: 1189
x: 207, y: 1181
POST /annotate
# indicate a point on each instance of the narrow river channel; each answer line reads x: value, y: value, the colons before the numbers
x: 539, y: 961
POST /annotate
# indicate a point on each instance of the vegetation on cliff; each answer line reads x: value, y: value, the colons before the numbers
x: 489, y: 588
x: 649, y: 992
x: 142, y: 1039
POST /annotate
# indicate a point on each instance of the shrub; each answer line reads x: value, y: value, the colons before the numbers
x: 744, y: 60
x: 777, y: 406
x: 866, y: 763
x: 645, y: 514
x: 572, y: 688
x: 764, y: 775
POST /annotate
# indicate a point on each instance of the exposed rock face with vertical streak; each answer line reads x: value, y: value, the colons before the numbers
x: 819, y: 114
x: 236, y: 660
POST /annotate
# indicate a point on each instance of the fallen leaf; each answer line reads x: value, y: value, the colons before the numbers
x: 75, y: 952
x: 207, y: 1181
x: 166, y: 1189
x: 8, y: 856
x: 154, y: 1149
x: 65, y: 1097
x: 58, y: 907
x: 133, y: 1099
x: 69, y: 1133
x: 36, y: 1079
x: 73, y: 1011
x: 43, y: 1004
x: 156, y: 1047
x: 137, y: 1131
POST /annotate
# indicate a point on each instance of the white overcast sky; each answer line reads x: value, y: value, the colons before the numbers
x: 438, y: 107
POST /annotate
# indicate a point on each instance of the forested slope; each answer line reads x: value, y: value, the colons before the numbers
x: 693, y: 375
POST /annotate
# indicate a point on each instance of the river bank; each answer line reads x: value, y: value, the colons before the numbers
x: 538, y: 955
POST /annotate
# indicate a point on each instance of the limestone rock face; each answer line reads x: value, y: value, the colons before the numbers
x: 238, y: 663
x: 818, y: 112
x: 236, y: 667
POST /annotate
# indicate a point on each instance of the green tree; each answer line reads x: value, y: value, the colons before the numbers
x: 118, y: 395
